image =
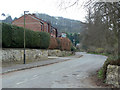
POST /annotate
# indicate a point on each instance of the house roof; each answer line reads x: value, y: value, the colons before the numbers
x: 33, y: 15
x: 36, y: 18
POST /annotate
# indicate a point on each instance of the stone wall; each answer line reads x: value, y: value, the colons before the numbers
x: 59, y: 53
x: 113, y: 75
x: 16, y: 55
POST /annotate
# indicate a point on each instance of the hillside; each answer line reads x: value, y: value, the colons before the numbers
x: 63, y: 24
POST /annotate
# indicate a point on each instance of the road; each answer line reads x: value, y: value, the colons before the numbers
x: 67, y: 74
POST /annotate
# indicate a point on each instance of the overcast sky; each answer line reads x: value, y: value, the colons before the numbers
x: 15, y: 8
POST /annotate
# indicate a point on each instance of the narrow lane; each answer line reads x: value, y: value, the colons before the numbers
x: 68, y: 74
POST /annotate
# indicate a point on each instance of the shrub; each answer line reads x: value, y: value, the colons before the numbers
x: 99, y: 50
x: 84, y: 47
x: 44, y: 40
x: 91, y: 49
x: 17, y: 37
x: 53, y: 43
x: 6, y: 35
x: 60, y: 43
x: 0, y: 35
x: 29, y: 38
x: 100, y: 74
x: 73, y: 48
x: 13, y: 37
x: 35, y: 40
x: 65, y: 44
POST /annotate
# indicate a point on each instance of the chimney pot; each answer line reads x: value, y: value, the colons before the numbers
x: 33, y: 14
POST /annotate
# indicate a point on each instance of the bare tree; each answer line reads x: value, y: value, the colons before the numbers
x: 102, y: 23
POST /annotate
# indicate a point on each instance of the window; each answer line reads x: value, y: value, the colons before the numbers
x: 41, y: 27
x: 47, y: 28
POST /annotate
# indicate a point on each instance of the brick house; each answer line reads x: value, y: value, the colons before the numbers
x: 53, y: 32
x: 35, y: 24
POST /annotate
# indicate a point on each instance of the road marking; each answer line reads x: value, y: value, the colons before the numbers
x: 35, y: 75
x: 19, y: 83
x: 22, y: 82
x: 34, y: 78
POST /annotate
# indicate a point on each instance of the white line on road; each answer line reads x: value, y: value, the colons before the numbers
x: 22, y: 82
x: 35, y: 75
x: 19, y: 83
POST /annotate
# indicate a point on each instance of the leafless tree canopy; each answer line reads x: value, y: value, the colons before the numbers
x: 102, y: 23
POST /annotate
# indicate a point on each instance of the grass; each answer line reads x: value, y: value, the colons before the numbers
x: 106, y: 54
x: 100, y: 74
x: 112, y: 59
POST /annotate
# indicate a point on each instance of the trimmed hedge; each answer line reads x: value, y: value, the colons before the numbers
x: 13, y: 37
x: 17, y: 39
x: 65, y: 44
x: 53, y: 43
x: 60, y: 43
x: 44, y: 40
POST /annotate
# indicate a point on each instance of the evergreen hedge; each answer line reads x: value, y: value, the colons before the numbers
x: 6, y: 35
x: 13, y: 37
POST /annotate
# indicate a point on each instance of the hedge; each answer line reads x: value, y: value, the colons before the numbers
x: 65, y: 44
x: 13, y: 37
x: 6, y: 35
x: 60, y: 43
x: 53, y: 43
x: 0, y: 35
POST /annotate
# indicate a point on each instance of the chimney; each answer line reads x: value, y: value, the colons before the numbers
x: 33, y: 14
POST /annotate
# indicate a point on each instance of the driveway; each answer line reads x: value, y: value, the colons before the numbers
x: 68, y: 74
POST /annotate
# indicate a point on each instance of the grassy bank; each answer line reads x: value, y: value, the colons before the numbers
x: 112, y: 59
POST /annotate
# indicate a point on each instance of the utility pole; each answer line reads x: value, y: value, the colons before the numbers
x: 24, y: 39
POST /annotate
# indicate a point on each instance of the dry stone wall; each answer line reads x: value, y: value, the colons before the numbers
x: 16, y: 55
x: 59, y: 53
x: 113, y: 75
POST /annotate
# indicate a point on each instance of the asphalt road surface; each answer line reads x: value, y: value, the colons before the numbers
x: 68, y: 74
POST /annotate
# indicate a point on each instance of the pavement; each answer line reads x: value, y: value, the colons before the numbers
x: 51, y: 60
x: 72, y: 73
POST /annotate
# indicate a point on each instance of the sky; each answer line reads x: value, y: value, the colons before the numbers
x: 16, y: 8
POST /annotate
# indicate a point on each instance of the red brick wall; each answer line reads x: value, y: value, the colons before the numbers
x: 30, y: 23
x: 45, y: 27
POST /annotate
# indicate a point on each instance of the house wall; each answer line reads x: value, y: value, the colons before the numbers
x: 35, y: 24
x: 54, y: 32
x: 49, y: 28
x: 45, y: 27
x: 30, y: 23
